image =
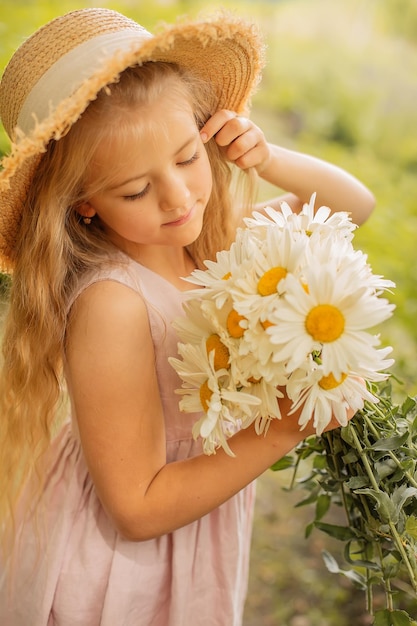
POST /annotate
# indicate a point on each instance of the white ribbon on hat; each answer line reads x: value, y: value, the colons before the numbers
x: 64, y: 77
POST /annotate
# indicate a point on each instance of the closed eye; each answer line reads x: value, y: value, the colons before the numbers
x: 190, y: 161
x: 137, y: 196
x: 143, y: 193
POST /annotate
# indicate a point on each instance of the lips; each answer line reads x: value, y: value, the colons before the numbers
x: 181, y: 220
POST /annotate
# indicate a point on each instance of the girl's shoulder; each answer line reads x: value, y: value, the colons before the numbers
x: 121, y: 285
x: 116, y: 269
x: 110, y: 299
x: 123, y: 270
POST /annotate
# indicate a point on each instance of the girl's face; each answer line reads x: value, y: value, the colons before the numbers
x: 160, y: 179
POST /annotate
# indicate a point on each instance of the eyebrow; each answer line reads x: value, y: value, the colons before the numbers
x: 138, y: 176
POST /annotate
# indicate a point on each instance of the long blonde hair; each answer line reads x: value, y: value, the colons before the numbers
x: 54, y: 248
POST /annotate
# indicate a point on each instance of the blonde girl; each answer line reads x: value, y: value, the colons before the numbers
x: 117, y: 185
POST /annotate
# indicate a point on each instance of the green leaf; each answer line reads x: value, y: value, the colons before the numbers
x: 392, y: 618
x: 357, y: 482
x: 355, y: 577
x: 402, y: 494
x: 347, y: 436
x: 282, y: 464
x: 384, y: 505
x: 400, y: 618
x: 382, y: 618
x: 353, y: 559
x: 411, y: 526
x: 334, y: 568
x: 385, y: 468
x: 309, y: 530
x: 312, y: 498
x: 408, y: 405
x: 330, y: 562
x: 320, y: 462
x: 350, y: 457
x: 343, y: 533
x: 391, y: 443
x: 322, y: 506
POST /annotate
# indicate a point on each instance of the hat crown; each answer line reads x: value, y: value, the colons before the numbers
x: 45, y: 47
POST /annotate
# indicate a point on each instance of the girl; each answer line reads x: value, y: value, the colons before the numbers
x: 117, y: 185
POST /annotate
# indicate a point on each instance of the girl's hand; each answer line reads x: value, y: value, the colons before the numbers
x: 288, y: 426
x: 241, y: 140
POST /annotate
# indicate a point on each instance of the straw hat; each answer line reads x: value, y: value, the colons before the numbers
x: 55, y: 73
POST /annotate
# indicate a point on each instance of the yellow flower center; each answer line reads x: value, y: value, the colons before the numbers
x: 266, y: 324
x: 221, y: 353
x: 325, y: 323
x: 233, y: 324
x: 227, y: 276
x: 267, y: 284
x: 205, y: 396
x: 330, y: 382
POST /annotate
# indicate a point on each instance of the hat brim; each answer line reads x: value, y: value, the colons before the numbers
x: 226, y: 51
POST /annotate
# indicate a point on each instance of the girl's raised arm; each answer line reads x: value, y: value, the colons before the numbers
x: 302, y: 174
x: 298, y: 174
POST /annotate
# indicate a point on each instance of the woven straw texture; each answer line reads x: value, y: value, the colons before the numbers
x: 46, y: 46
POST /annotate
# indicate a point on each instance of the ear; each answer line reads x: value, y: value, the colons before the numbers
x: 85, y: 210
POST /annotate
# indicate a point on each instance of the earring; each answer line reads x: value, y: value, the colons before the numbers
x: 87, y: 220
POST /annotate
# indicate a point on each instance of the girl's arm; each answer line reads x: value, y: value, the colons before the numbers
x: 299, y: 174
x: 115, y: 393
x: 302, y: 174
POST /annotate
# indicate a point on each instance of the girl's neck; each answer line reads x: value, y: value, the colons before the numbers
x: 171, y: 263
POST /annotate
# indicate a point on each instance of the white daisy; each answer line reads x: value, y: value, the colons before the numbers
x: 258, y: 342
x: 261, y: 287
x: 269, y: 217
x: 244, y: 352
x: 208, y: 388
x: 330, y: 318
x: 268, y: 407
x: 339, y: 253
x: 319, y: 223
x: 194, y: 324
x: 361, y: 269
x: 195, y: 367
x: 324, y: 396
x: 229, y: 265
x: 323, y: 222
x: 224, y: 410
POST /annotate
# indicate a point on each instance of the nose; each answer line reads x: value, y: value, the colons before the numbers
x: 174, y: 192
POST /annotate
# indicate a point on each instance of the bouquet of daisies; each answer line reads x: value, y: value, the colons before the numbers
x: 288, y: 308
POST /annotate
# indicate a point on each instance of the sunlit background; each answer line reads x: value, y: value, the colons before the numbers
x: 340, y: 83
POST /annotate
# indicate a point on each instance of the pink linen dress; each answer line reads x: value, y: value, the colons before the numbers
x: 71, y: 567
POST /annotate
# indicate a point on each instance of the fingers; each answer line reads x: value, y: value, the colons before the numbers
x: 242, y: 141
x: 215, y: 123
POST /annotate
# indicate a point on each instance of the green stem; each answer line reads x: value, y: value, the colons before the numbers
x: 329, y: 438
x: 386, y: 580
x: 403, y: 553
x: 388, y: 595
x: 391, y: 524
x: 369, y: 589
x: 410, y: 478
x: 369, y: 594
x: 295, y: 472
x: 364, y: 457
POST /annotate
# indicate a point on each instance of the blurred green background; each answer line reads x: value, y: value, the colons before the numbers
x: 340, y: 83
